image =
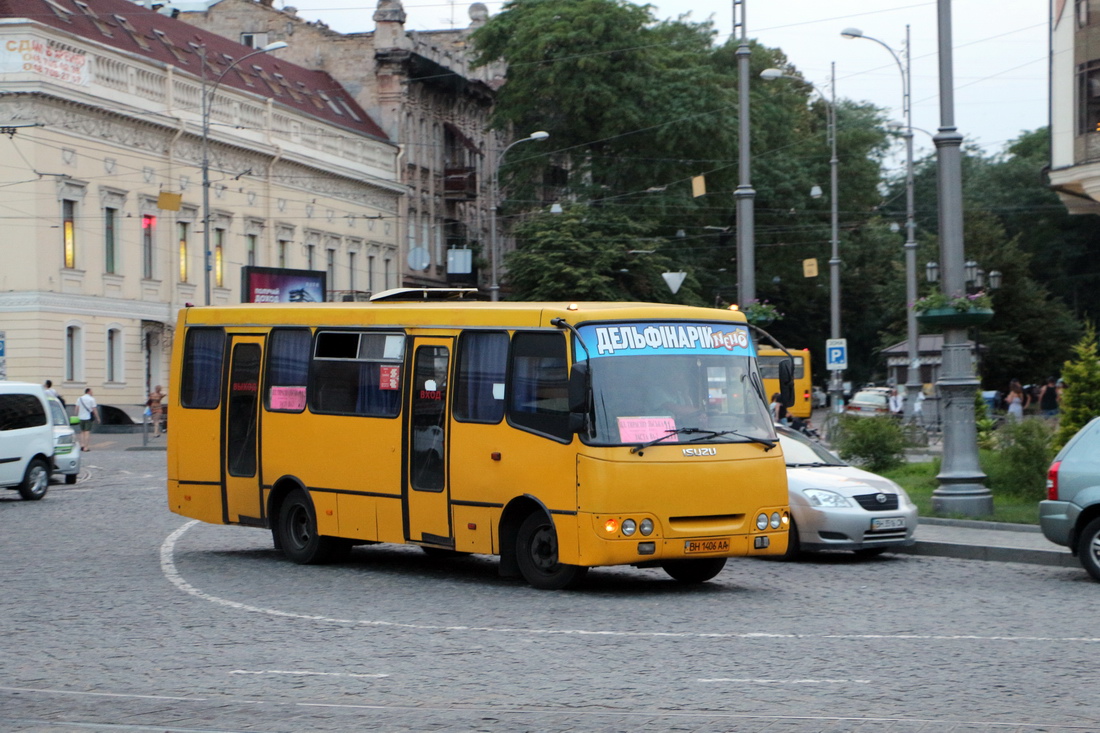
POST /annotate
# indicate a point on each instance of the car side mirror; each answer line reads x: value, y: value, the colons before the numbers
x: 580, y: 397
x: 786, y: 382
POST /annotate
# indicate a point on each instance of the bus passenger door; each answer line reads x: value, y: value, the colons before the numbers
x: 240, y: 431
x: 427, y: 495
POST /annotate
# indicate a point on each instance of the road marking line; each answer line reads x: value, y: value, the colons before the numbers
x: 751, y: 681
x: 306, y: 673
x: 168, y: 568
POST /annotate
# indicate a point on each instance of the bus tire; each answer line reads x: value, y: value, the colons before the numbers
x: 298, y: 536
x: 537, y: 556
x: 694, y: 571
x: 36, y: 480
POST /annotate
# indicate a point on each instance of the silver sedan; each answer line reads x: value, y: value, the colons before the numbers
x: 836, y: 506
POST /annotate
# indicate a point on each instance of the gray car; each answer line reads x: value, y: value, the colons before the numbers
x: 1070, y: 516
x: 835, y: 506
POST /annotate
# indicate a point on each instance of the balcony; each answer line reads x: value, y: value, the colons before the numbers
x: 460, y: 184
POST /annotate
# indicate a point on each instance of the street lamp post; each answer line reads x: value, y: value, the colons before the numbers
x: 745, y: 194
x: 207, y: 107
x: 962, y: 489
x: 913, y: 381
x: 494, y: 245
x: 836, y: 387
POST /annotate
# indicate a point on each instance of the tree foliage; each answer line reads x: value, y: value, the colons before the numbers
x: 1081, y: 397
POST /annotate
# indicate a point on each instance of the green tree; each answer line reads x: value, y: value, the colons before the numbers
x: 637, y: 107
x: 591, y: 253
x: 1081, y: 398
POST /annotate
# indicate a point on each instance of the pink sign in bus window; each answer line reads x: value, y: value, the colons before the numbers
x: 643, y: 429
x: 287, y: 398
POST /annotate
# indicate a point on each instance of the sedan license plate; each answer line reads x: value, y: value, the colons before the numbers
x: 693, y: 547
x: 877, y: 525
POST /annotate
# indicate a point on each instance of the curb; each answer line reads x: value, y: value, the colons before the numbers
x: 991, y: 554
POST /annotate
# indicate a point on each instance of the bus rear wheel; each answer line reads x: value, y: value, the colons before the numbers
x: 537, y: 556
x: 298, y: 536
x: 694, y: 571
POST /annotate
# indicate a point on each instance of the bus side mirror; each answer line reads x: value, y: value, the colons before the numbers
x: 580, y: 397
x: 786, y: 382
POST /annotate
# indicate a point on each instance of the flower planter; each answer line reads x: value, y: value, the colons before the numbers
x: 949, y: 317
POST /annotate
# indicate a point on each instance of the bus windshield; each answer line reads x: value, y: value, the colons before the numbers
x: 654, y: 380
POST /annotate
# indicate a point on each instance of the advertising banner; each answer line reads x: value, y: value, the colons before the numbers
x: 280, y: 285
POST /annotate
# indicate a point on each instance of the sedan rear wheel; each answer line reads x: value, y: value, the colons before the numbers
x: 1088, y: 548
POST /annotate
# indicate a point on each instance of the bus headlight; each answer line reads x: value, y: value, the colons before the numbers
x: 629, y: 527
x: 646, y: 527
x: 762, y: 522
x: 775, y: 520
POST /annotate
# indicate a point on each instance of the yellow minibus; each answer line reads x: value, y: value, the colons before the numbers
x: 803, y: 404
x: 558, y: 436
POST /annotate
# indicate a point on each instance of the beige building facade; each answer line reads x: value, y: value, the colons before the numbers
x: 101, y: 188
x: 1075, y: 104
x: 421, y: 88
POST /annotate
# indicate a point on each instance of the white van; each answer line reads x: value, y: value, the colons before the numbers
x: 26, y: 439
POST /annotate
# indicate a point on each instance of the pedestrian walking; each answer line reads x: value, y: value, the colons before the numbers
x: 1016, y: 400
x: 87, y: 411
x: 154, y: 409
x: 1049, y: 398
x: 897, y: 404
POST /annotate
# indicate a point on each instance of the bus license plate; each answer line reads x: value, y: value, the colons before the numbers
x: 887, y: 523
x: 692, y: 547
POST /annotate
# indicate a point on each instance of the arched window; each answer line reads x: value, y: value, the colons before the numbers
x: 74, y: 353
x: 114, y: 353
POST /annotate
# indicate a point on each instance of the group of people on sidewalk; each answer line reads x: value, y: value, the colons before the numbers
x: 87, y: 411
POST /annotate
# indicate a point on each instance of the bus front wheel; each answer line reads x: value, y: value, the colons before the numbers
x: 297, y: 533
x: 694, y: 571
x: 537, y: 556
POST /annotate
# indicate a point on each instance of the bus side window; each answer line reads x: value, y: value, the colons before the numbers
x: 539, y: 396
x: 287, y: 369
x: 482, y: 363
x: 357, y: 373
x: 203, y: 352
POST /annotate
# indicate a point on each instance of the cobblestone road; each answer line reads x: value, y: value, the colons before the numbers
x: 118, y: 615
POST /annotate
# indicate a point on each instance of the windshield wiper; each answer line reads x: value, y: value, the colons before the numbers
x: 819, y: 464
x: 704, y: 434
x: 668, y: 434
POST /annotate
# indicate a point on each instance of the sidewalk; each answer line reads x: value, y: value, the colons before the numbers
x: 936, y: 537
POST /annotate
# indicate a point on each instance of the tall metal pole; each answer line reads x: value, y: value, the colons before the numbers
x: 206, y: 109
x: 961, y: 489
x: 745, y: 194
x: 494, y: 245
x: 836, y: 385
x: 913, y: 383
x: 205, y: 181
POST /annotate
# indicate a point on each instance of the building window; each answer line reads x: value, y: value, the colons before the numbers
x: 370, y: 273
x: 309, y: 256
x: 114, y: 355
x: 250, y: 242
x: 351, y: 271
x: 148, y: 236
x: 68, y: 229
x: 283, y: 244
x: 219, y: 253
x: 110, y: 240
x: 1088, y: 77
x: 73, y: 353
x: 330, y: 268
x: 183, y: 231
x: 1081, y: 12
x: 254, y: 40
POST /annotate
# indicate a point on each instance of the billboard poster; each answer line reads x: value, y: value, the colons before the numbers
x: 280, y: 285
